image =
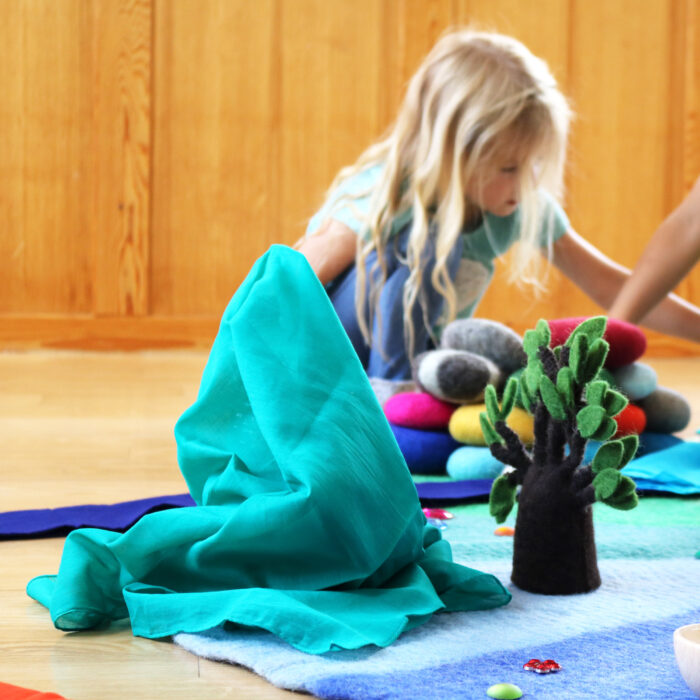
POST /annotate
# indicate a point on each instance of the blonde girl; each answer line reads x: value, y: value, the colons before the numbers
x: 407, y: 237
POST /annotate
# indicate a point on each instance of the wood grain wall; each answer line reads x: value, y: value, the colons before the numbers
x: 150, y: 150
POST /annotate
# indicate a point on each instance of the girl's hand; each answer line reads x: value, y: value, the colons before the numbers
x: 330, y: 251
x: 602, y: 279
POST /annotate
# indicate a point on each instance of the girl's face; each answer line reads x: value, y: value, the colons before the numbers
x: 498, y: 190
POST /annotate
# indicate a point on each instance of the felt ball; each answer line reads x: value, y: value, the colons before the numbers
x: 490, y: 339
x: 425, y: 451
x: 471, y: 462
x: 465, y: 426
x: 627, y: 341
x: 384, y: 389
x: 504, y: 691
x: 667, y: 411
x: 454, y: 375
x: 418, y: 410
x: 631, y: 420
x: 635, y: 381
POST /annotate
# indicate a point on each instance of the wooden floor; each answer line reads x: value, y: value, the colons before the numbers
x: 80, y: 428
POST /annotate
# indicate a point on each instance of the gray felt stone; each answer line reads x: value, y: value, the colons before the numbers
x: 490, y: 339
x: 636, y: 381
x: 666, y: 410
x: 455, y: 375
x: 384, y: 389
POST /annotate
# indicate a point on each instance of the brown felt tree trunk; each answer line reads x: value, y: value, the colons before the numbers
x: 554, y: 549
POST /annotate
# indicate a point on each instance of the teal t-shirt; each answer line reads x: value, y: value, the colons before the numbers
x: 480, y: 246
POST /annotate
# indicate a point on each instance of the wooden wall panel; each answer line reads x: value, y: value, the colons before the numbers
x: 329, y: 107
x: 624, y: 90
x: 345, y: 68
x: 46, y: 105
x: 121, y: 165
x: 150, y: 151
x: 215, y: 193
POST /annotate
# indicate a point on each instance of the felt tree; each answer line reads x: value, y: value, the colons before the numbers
x: 554, y: 548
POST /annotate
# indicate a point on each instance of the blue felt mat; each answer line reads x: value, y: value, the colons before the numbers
x: 615, y: 642
x: 666, y: 464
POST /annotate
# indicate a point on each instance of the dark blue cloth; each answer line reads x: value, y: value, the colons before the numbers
x: 436, y: 492
x: 387, y: 357
x: 58, y: 522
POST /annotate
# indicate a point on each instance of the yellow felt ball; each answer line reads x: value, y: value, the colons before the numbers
x: 465, y: 426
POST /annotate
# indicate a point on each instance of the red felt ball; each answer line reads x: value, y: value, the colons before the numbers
x: 627, y: 341
x: 414, y: 409
x: 630, y: 420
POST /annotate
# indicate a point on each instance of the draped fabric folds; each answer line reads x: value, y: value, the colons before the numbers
x: 307, y: 522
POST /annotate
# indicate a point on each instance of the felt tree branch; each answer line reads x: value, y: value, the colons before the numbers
x: 570, y: 405
x: 504, y: 443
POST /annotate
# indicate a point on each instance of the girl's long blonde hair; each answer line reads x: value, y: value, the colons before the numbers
x: 478, y: 98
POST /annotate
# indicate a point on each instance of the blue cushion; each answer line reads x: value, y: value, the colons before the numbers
x: 425, y: 451
x: 471, y: 462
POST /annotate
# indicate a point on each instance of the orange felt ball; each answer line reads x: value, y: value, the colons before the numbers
x: 631, y: 420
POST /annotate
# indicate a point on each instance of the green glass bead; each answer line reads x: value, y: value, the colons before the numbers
x: 504, y: 691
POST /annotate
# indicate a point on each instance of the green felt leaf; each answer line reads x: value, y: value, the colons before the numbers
x: 625, y: 487
x: 533, y: 372
x: 524, y: 394
x: 632, y: 501
x: 577, y: 358
x: 595, y: 392
x: 588, y: 420
x: 544, y: 331
x: 630, y: 443
x: 614, y: 402
x: 565, y: 387
x: 597, y: 352
x: 531, y: 343
x: 625, y: 495
x: 502, y: 498
x: 508, y: 399
x: 491, y: 401
x: 606, y: 430
x: 557, y: 352
x: 551, y: 398
x: 592, y: 329
x: 608, y: 376
x: 490, y: 434
x: 608, y: 456
x: 605, y: 483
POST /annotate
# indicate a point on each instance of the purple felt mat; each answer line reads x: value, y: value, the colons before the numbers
x: 58, y: 522
x: 436, y: 492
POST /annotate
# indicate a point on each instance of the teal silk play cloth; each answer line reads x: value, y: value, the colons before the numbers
x: 307, y: 522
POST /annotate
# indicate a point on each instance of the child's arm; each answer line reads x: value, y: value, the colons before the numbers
x: 602, y: 279
x: 330, y: 251
x: 669, y: 256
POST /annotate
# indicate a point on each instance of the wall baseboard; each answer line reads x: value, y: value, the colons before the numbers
x: 193, y: 332
x: 107, y: 333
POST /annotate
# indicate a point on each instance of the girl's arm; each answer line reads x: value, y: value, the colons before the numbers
x: 330, y: 251
x: 669, y: 256
x: 602, y: 279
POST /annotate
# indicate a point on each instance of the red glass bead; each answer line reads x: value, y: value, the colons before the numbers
x: 437, y: 513
x: 552, y: 665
